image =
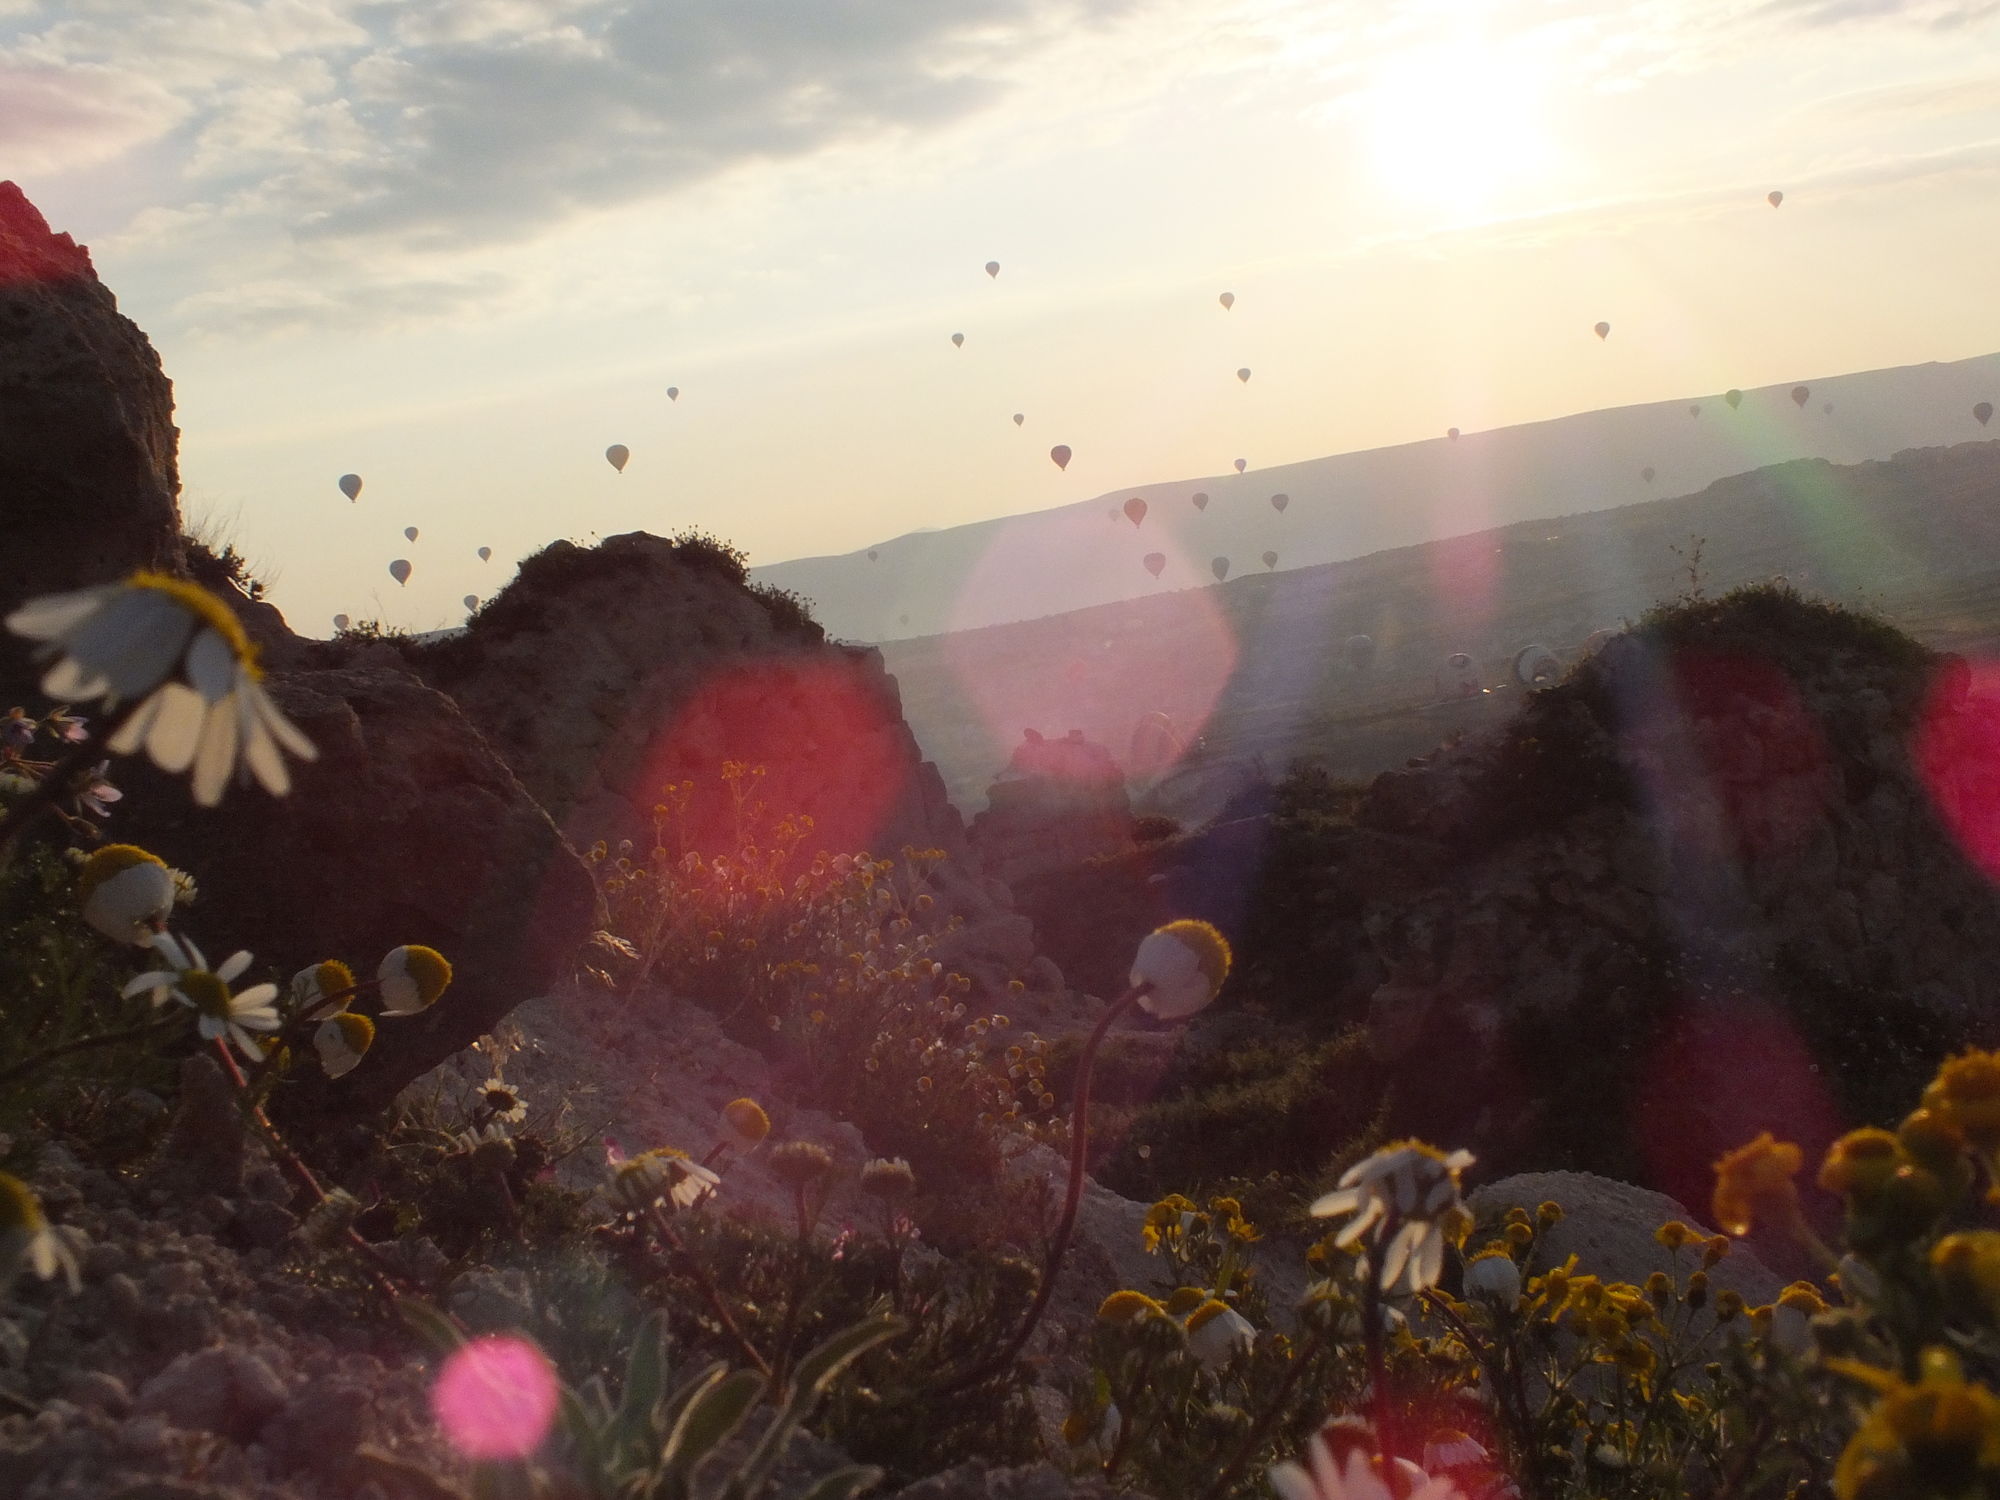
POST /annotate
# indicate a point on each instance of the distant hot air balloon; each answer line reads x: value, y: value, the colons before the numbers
x: 904, y: 618
x: 1452, y: 433
x: 1536, y: 666
x: 1359, y: 651
x: 1155, y: 563
x: 1280, y: 501
x: 1694, y: 411
x: 616, y: 455
x: 1200, y: 497
x: 471, y: 603
x: 1228, y: 300
x: 958, y: 341
x: 409, y: 533
x: 1827, y: 407
x: 1220, y: 568
x: 1020, y: 417
x: 1135, y: 510
x: 350, y: 486
x: 1604, y: 330
x: 1734, y: 398
x: 1241, y: 465
x: 1112, y: 515
x: 340, y: 622
x: 486, y: 554
x: 1244, y: 374
x: 1060, y: 455
x: 1983, y: 412
x: 400, y: 571
x: 1647, y: 473
x: 1800, y: 395
x: 673, y: 393
x: 871, y: 554
x: 993, y: 268
x: 1461, y: 677
x: 1774, y: 197
x: 1270, y: 559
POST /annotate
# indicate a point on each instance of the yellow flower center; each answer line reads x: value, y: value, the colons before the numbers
x: 112, y: 859
x: 20, y: 1209
x: 209, y: 994
x: 333, y: 977
x: 429, y: 969
x: 1210, y: 949
x: 358, y: 1032
x: 1124, y: 1307
x: 747, y: 1118
x: 205, y: 607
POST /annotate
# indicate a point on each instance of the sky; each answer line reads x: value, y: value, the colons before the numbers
x: 460, y: 247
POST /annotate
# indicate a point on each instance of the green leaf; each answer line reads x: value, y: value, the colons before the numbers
x: 844, y: 1484
x: 645, y: 1372
x: 710, y: 1419
x: 817, y: 1370
x: 685, y: 1395
x: 581, y: 1430
x: 436, y: 1329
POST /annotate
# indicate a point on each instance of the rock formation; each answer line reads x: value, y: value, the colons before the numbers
x: 1058, y: 803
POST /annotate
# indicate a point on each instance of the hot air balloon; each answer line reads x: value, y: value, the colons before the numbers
x: 1983, y: 412
x: 1827, y: 407
x: 1020, y: 417
x: 1536, y: 666
x: 1135, y: 510
x: 958, y: 341
x: 1280, y: 501
x: 340, y: 622
x: 471, y: 603
x: 1774, y: 197
x: 993, y: 268
x: 1228, y: 300
x: 400, y: 571
x: 673, y: 393
x: 1647, y: 473
x: 1359, y: 651
x: 1604, y: 330
x: 409, y: 533
x: 1155, y: 563
x: 1111, y: 515
x: 350, y: 486
x: 1200, y: 497
x: 1694, y: 411
x: 1800, y: 395
x: 486, y: 554
x: 1220, y: 568
x: 1241, y: 465
x: 1060, y: 455
x: 1244, y: 374
x: 1270, y: 559
x: 904, y: 618
x: 871, y: 554
x: 616, y: 455
x: 1734, y: 398
x: 1452, y: 433
x: 1461, y: 677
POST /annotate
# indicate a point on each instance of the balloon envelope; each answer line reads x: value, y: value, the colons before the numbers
x: 486, y: 554
x: 616, y: 455
x: 1452, y: 433
x: 1135, y: 510
x: 1800, y: 395
x: 871, y: 554
x: 1241, y: 465
x: 1060, y: 455
x: 409, y: 533
x: 993, y: 268
x: 1220, y: 568
x: 1604, y: 330
x: 1774, y: 197
x: 340, y: 622
x: 1734, y: 398
x: 400, y: 570
x: 1535, y: 666
x: 1647, y: 473
x: 1020, y: 417
x: 1360, y: 651
x: 958, y: 341
x: 1228, y: 300
x: 1155, y: 562
x: 1983, y: 412
x: 1200, y: 498
x: 1244, y: 374
x: 1279, y: 502
x: 1270, y: 559
x: 350, y: 486
x: 471, y: 601
x: 1694, y: 411
x: 673, y: 393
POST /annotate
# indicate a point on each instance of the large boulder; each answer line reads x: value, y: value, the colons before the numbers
x: 1058, y: 803
x: 88, y: 479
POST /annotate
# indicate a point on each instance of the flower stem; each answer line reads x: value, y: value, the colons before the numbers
x: 43, y: 798
x: 716, y: 1305
x: 1381, y: 1415
x: 1079, y: 1142
x: 1254, y: 1439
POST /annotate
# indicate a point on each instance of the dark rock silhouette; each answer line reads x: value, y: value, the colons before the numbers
x: 1058, y: 803
x: 88, y: 479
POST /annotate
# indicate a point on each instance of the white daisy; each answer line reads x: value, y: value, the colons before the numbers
x: 1493, y: 1277
x: 502, y: 1102
x: 125, y: 893
x: 643, y: 1180
x: 1357, y: 1477
x: 179, y: 651
x: 1181, y: 967
x: 320, y: 990
x: 412, y: 978
x: 342, y: 1040
x: 206, y: 992
x: 26, y: 1238
x: 1408, y: 1190
x: 1216, y: 1331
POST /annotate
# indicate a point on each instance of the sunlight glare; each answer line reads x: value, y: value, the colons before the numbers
x: 1457, y: 125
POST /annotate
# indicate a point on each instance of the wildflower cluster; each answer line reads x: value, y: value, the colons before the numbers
x: 828, y: 961
x: 84, y: 791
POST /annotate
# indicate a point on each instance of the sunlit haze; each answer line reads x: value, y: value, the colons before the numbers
x: 460, y: 247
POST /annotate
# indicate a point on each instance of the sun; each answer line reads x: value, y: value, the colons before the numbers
x: 1460, y: 125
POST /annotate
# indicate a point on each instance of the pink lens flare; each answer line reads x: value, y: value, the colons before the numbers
x: 495, y: 1398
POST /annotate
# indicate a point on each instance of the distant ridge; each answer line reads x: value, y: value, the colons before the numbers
x: 1351, y: 504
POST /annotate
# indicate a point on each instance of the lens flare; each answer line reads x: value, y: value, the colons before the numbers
x: 495, y: 1398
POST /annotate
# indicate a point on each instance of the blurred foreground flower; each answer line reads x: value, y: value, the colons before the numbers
x: 126, y: 893
x: 1408, y: 1195
x: 27, y: 1240
x: 744, y: 1124
x: 206, y: 992
x: 1357, y: 1476
x: 1938, y: 1437
x: 180, y: 656
x: 1755, y: 1181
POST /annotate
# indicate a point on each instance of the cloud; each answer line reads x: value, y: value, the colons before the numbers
x: 1940, y: 15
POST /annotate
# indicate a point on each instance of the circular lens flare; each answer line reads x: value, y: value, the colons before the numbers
x: 495, y: 1398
